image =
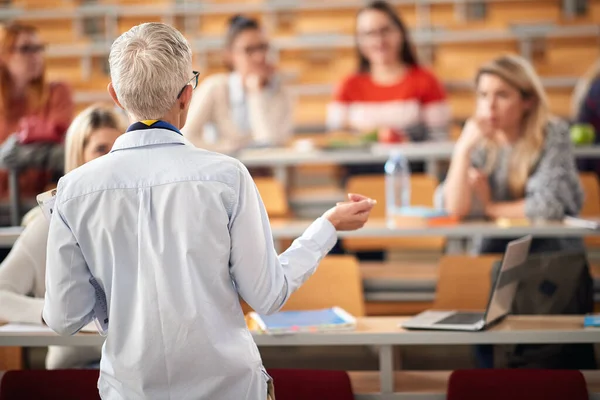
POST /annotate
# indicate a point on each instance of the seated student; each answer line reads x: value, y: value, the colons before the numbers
x: 247, y: 106
x: 391, y: 89
x: 30, y: 106
x: 513, y: 160
x: 586, y: 110
x: 22, y: 273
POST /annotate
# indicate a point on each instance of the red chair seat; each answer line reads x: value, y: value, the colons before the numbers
x: 293, y: 384
x: 75, y: 384
x: 517, y: 384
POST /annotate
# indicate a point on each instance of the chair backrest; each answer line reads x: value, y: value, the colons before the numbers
x: 517, y: 384
x: 294, y: 384
x: 11, y: 358
x: 273, y: 196
x: 337, y: 282
x: 591, y: 189
x: 422, y: 192
x: 464, y: 282
x: 72, y: 384
x: 591, y: 202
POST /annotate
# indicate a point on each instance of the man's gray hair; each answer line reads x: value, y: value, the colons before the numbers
x: 149, y: 65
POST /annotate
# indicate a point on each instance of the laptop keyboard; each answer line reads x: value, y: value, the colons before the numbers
x: 461, y: 319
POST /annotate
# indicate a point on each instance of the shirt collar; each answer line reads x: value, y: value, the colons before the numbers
x: 148, y: 137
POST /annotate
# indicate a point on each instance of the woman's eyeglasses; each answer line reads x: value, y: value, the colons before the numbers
x: 382, y: 32
x: 30, y: 49
x: 193, y: 82
x: 259, y: 48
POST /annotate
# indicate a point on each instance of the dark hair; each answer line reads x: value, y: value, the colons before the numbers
x: 406, y: 53
x: 238, y: 24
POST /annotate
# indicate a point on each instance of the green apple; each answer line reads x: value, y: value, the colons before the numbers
x: 582, y: 134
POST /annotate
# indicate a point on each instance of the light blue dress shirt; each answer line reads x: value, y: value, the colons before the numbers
x: 173, y: 234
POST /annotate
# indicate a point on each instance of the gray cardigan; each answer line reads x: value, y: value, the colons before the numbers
x: 552, y: 191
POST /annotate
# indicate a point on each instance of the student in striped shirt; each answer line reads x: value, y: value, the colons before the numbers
x: 390, y: 89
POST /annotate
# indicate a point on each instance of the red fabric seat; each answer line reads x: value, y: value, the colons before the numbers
x: 294, y: 384
x: 74, y: 384
x: 517, y: 384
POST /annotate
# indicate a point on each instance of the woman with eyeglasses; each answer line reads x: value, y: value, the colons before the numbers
x: 390, y: 91
x: 247, y: 106
x: 31, y: 107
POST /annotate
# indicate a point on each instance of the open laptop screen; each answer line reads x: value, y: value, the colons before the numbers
x: 506, y: 285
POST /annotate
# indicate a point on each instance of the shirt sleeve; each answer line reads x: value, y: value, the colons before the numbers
x: 554, y: 189
x: 60, y: 108
x: 70, y: 297
x: 339, y: 109
x: 270, y: 114
x: 263, y: 279
x: 436, y: 110
x: 19, y: 272
x: 200, y: 112
x: 477, y: 209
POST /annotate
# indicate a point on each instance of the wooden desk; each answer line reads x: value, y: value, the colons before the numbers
x: 9, y: 235
x: 292, y: 228
x: 279, y: 159
x: 371, y: 331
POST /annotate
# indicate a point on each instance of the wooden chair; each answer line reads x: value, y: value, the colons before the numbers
x: 591, y: 203
x: 422, y: 192
x: 464, y: 282
x: 274, y: 197
x: 11, y: 358
x: 337, y: 282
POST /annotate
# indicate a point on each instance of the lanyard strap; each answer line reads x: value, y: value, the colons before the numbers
x: 152, y: 124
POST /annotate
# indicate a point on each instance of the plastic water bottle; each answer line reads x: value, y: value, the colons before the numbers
x: 397, y: 185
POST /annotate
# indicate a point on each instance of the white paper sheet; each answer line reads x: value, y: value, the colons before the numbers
x: 24, y: 328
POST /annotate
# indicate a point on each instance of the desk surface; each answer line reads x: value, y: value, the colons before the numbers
x: 9, y: 235
x: 370, y: 331
x: 421, y: 151
x: 291, y: 228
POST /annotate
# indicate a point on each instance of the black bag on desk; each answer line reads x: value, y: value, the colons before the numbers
x: 552, y: 283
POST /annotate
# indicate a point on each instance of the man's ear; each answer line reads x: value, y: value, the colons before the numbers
x: 113, y: 95
x: 186, y: 97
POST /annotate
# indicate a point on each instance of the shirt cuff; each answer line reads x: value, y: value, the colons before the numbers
x: 323, y: 233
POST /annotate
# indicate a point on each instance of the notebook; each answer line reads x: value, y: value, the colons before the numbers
x: 286, y: 322
x: 591, y: 321
x: 418, y: 216
x: 589, y: 223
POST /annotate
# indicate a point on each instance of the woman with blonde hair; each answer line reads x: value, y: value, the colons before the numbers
x: 512, y: 160
x: 22, y: 273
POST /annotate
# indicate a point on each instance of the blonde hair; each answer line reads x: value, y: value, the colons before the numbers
x: 89, y: 120
x: 519, y: 73
x: 95, y: 117
x: 583, y: 86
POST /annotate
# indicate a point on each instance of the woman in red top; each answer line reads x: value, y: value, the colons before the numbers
x: 390, y: 90
x: 37, y: 111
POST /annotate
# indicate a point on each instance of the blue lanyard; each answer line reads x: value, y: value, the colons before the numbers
x: 152, y: 124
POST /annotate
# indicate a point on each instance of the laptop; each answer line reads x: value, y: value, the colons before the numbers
x: 499, y: 305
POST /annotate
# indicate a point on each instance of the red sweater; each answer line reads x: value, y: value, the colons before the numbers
x: 418, y: 98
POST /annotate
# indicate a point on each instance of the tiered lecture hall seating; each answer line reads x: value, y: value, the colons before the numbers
x: 458, y: 47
